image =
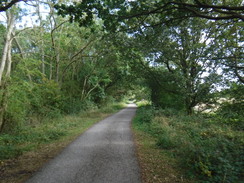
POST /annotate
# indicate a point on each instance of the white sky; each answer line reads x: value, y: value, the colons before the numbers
x: 28, y: 18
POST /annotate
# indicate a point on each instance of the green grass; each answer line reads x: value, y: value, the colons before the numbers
x: 157, y: 166
x: 208, y: 150
x: 31, y: 137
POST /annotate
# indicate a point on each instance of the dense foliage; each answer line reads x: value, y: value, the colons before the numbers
x: 182, y: 56
x: 58, y: 68
x: 209, y: 151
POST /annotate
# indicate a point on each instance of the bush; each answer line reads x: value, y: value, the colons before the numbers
x: 232, y: 114
x: 27, y: 100
x: 17, y: 106
x: 166, y: 141
x: 210, y: 151
x: 231, y: 111
x: 46, y: 98
x: 145, y: 114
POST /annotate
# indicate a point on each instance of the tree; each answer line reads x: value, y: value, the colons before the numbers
x: 59, y: 67
x: 6, y: 62
x: 229, y: 51
x: 131, y: 16
x: 183, y: 50
x: 7, y: 4
x: 212, y: 10
x: 119, y: 13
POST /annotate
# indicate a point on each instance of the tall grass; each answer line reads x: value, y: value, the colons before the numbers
x: 210, y: 151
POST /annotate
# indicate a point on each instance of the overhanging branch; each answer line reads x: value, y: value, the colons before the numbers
x: 9, y: 5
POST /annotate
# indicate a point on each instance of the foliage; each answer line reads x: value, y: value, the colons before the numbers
x: 62, y: 68
x: 145, y: 115
x: 177, y: 36
x: 187, y: 76
x: 126, y: 13
x: 46, y: 98
x: 2, y: 32
x: 30, y: 137
x: 165, y: 90
x: 18, y: 107
x: 161, y: 55
x: 231, y: 111
x: 229, y: 51
x: 210, y: 151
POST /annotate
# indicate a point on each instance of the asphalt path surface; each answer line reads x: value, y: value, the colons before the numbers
x: 103, y: 154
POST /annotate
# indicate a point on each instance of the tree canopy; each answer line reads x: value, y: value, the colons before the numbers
x: 142, y: 12
x: 183, y: 57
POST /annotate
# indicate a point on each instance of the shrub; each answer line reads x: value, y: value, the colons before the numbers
x: 166, y: 141
x: 232, y: 114
x: 46, y: 97
x: 145, y: 114
x: 210, y: 151
x: 231, y: 111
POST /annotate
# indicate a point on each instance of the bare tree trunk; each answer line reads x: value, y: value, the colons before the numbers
x: 18, y: 46
x: 56, y: 49
x: 57, y: 66
x: 51, y: 71
x: 9, y: 59
x: 83, y: 89
x: 43, y: 57
x: 10, y: 24
x: 6, y: 59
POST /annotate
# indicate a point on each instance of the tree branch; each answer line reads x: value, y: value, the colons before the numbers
x: 9, y: 5
x: 196, y: 10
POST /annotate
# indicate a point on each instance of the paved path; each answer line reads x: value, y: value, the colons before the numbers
x: 103, y: 154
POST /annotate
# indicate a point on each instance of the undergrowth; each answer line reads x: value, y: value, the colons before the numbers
x: 209, y: 151
x: 30, y: 136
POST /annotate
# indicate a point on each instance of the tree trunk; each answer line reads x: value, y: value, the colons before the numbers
x: 57, y: 66
x: 189, y: 109
x: 6, y: 59
x: 7, y: 45
x: 51, y: 71
x: 43, y: 58
x: 38, y: 9
x: 9, y: 59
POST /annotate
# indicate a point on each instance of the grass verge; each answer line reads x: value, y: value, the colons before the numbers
x: 156, y: 167
x: 199, y: 147
x: 22, y: 153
